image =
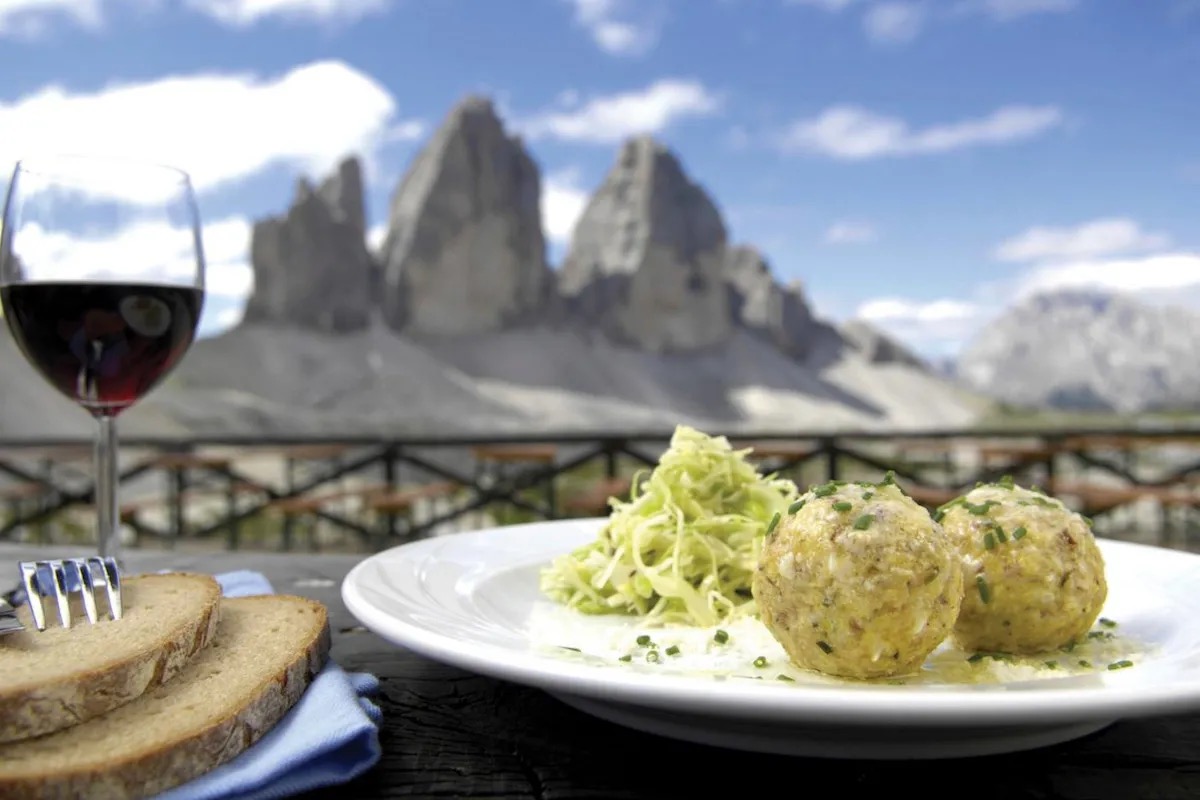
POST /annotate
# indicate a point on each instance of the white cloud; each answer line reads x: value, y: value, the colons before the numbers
x: 613, y: 118
x: 245, y: 13
x: 850, y: 232
x: 1101, y: 237
x: 563, y: 202
x: 149, y: 250
x: 29, y: 17
x: 938, y: 326
x: 894, y: 22
x: 409, y: 130
x: 1153, y: 274
x: 376, y: 235
x: 620, y: 27
x: 227, y: 317
x: 221, y: 128
x: 1008, y: 10
x: 851, y: 133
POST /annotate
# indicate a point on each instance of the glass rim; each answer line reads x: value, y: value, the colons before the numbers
x: 53, y: 166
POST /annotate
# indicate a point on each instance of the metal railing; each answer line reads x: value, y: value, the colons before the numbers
x: 1102, y: 469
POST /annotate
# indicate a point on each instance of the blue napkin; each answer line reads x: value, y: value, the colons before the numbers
x: 329, y: 737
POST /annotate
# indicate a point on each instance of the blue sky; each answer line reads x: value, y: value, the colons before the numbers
x: 920, y: 163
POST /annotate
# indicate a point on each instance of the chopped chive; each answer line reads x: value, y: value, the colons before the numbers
x: 782, y: 677
x: 1122, y: 664
x: 720, y: 637
x: 643, y: 640
x: 889, y: 478
x: 975, y: 657
x: 626, y: 658
x: 824, y: 490
x: 843, y: 506
x: 864, y: 522
x: 652, y: 656
x: 1051, y: 664
x: 1103, y: 636
x: 1006, y: 482
x: 981, y: 509
x: 989, y: 541
x: 673, y: 650
x: 939, y: 515
x: 1089, y: 522
x: 868, y: 495
x: 985, y: 594
x: 796, y: 506
x: 825, y: 647
x: 1083, y: 662
x: 1108, y: 623
x: 760, y: 662
x: 1001, y: 536
x: 572, y: 649
x: 1019, y: 533
x: 771, y: 525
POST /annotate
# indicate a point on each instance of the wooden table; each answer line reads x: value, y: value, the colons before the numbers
x: 451, y: 734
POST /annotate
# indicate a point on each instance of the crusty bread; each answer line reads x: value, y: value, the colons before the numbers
x: 62, y: 676
x: 265, y: 654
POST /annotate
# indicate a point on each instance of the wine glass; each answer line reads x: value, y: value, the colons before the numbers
x: 102, y: 285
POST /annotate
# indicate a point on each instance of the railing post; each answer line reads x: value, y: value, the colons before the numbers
x: 389, y: 478
x: 178, y: 487
x: 831, y: 458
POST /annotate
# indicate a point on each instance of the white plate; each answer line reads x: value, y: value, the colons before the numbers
x: 472, y: 600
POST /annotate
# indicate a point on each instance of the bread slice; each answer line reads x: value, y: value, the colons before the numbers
x: 265, y: 654
x: 62, y: 676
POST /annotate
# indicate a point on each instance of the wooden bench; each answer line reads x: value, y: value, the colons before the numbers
x: 190, y: 460
x: 516, y: 453
x: 929, y: 496
x: 593, y: 500
x: 306, y: 504
x: 764, y: 451
x: 308, y: 452
x: 129, y: 510
x: 402, y: 501
x: 1093, y: 498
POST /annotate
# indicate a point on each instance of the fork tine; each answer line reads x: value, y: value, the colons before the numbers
x: 60, y: 593
x: 112, y: 582
x: 83, y: 573
x: 33, y: 595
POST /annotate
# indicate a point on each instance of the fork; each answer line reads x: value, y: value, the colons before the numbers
x: 58, y: 578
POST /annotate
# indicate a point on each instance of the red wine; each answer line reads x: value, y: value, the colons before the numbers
x: 104, y: 345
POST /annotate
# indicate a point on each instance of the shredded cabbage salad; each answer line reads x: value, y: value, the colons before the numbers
x: 684, y: 547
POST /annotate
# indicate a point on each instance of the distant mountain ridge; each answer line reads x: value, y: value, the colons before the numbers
x: 1088, y: 350
x: 654, y: 317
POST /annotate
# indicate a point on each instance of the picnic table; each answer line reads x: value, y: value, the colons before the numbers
x: 451, y: 733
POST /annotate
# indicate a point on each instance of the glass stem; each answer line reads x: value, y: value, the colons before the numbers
x: 108, y: 529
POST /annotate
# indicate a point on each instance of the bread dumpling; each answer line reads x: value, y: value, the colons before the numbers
x: 1034, y: 573
x: 858, y: 581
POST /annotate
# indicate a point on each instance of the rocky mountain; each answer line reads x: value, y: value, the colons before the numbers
x: 465, y: 253
x: 759, y: 303
x: 1088, y: 350
x: 877, y: 347
x: 311, y: 265
x: 647, y: 260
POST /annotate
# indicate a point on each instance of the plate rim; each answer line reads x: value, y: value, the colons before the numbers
x: 763, y: 699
